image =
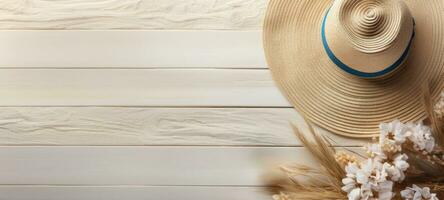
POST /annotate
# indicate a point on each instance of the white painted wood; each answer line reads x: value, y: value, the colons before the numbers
x: 64, y: 78
x: 131, y: 14
x: 148, y: 87
x: 132, y: 193
x: 223, y: 166
x: 131, y: 49
x: 152, y: 126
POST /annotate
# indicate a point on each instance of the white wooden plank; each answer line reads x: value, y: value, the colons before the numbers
x: 131, y: 49
x: 223, y: 166
x: 147, y: 87
x: 152, y: 126
x: 132, y: 193
x: 131, y: 14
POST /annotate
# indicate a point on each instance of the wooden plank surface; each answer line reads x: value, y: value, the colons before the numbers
x: 131, y: 49
x: 139, y: 96
x: 152, y: 126
x: 136, y: 87
x: 222, y: 166
x: 132, y: 14
x: 132, y: 193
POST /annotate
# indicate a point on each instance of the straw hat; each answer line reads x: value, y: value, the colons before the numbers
x: 348, y: 65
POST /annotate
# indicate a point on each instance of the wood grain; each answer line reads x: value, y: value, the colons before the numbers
x: 131, y: 49
x: 132, y: 193
x: 139, y: 96
x: 152, y: 126
x: 131, y: 14
x: 136, y: 87
x: 166, y: 165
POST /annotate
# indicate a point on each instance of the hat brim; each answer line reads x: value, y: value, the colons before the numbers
x: 340, y: 102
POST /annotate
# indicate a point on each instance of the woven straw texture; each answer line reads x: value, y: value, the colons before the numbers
x: 340, y: 102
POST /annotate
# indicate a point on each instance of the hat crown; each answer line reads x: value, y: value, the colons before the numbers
x: 368, y: 37
x: 371, y: 25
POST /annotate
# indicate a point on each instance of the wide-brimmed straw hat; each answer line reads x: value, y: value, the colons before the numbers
x: 348, y: 65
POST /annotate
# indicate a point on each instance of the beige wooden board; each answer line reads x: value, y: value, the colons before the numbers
x: 132, y: 193
x: 152, y: 126
x: 131, y: 49
x: 137, y: 87
x: 223, y: 166
x: 132, y: 14
x: 179, y: 107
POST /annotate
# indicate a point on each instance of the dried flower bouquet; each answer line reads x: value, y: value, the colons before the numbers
x: 406, y: 161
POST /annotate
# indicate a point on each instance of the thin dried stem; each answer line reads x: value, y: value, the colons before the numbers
x: 322, y: 151
x: 436, y: 123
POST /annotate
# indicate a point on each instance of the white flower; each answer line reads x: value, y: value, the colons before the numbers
x: 374, y: 178
x: 375, y: 151
x: 367, y: 191
x: 355, y: 194
x: 416, y: 193
x: 385, y: 190
x: 349, y: 181
x: 400, y: 162
x: 351, y: 170
x: 422, y: 137
x: 371, y: 172
x: 396, y: 170
x: 350, y: 185
x: 394, y: 131
x: 361, y: 181
x: 392, y: 136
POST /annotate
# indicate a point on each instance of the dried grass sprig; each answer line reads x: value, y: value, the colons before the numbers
x: 311, y: 193
x: 324, y: 153
x: 424, y: 167
x: 414, y: 163
x: 322, y: 183
x: 435, y: 122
